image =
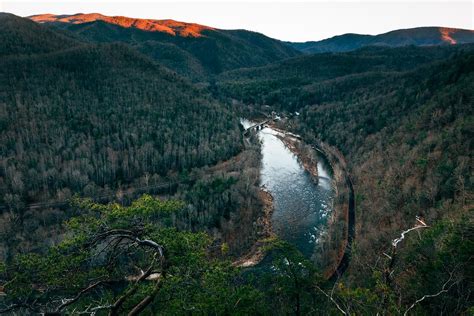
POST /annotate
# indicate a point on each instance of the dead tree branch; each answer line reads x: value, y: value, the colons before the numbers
x: 331, y: 299
x: 67, y: 302
x: 444, y: 289
x: 420, y: 224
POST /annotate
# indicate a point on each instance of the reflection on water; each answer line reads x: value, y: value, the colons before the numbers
x: 301, y: 207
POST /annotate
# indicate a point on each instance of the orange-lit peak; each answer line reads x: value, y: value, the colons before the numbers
x: 446, y: 35
x: 166, y: 26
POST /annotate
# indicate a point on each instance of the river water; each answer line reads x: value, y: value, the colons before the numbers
x: 301, y: 207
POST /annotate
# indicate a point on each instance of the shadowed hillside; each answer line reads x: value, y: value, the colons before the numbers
x: 421, y: 36
x: 296, y: 82
x: 20, y: 36
x: 79, y: 118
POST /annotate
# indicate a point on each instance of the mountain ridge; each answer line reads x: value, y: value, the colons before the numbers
x: 169, y: 26
x: 419, y: 36
x: 192, y: 50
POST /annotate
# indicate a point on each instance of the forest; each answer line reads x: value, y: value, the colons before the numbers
x: 125, y: 188
x: 109, y: 121
x: 406, y: 133
x: 311, y: 79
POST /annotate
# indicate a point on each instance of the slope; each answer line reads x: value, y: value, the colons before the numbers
x: 21, y: 36
x: 90, y: 118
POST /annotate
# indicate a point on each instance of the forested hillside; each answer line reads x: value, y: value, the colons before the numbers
x: 91, y: 116
x: 296, y: 82
x: 409, y: 141
x: 20, y: 36
x: 95, y: 120
x: 403, y: 118
x: 193, y: 50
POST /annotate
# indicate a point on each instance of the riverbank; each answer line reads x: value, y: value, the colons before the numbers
x: 264, y: 231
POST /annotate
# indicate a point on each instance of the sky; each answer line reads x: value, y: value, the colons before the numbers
x: 283, y: 19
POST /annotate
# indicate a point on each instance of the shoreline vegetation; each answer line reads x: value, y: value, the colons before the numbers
x: 265, y: 232
x: 338, y: 237
x: 336, y: 241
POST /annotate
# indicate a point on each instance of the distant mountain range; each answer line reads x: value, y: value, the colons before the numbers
x: 199, y: 52
x: 420, y: 36
x: 193, y: 50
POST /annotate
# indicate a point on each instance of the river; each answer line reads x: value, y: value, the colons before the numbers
x: 301, y: 207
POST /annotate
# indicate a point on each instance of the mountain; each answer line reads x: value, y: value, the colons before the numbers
x: 408, y: 139
x: 171, y: 27
x: 193, y: 50
x: 87, y: 118
x: 421, y: 36
x: 102, y: 120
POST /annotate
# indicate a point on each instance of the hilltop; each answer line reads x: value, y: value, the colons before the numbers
x: 165, y: 26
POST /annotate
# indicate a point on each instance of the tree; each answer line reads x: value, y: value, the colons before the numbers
x: 292, y: 280
x: 124, y: 260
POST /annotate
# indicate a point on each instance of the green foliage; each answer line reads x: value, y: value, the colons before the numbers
x: 224, y: 248
x: 444, y: 255
x: 290, y: 283
x: 145, y: 207
x: 89, y: 119
x: 190, y: 280
x: 211, y: 290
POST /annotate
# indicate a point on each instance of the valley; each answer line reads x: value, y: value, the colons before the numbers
x: 131, y: 183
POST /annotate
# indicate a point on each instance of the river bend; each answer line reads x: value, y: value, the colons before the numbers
x: 301, y: 207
